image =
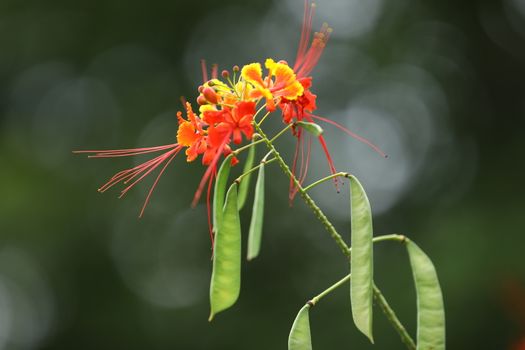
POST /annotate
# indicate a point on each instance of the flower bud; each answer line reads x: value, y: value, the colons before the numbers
x: 225, y: 74
x: 210, y: 95
x: 236, y: 68
x: 201, y: 100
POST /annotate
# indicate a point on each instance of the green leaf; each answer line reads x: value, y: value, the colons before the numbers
x: 219, y: 191
x: 312, y: 128
x: 430, y: 311
x: 256, y: 223
x: 300, y: 338
x: 226, y: 276
x: 361, y: 260
x: 245, y: 183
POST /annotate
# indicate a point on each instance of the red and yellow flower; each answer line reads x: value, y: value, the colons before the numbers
x: 227, y: 110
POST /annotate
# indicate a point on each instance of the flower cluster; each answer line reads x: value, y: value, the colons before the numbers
x: 227, y: 110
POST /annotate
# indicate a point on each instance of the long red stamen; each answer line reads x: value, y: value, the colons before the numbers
x: 351, y: 134
x: 329, y: 159
x: 124, y: 152
x: 305, y: 34
x: 214, y: 71
x: 127, y: 175
x: 157, y: 180
x: 144, y: 169
x: 147, y: 170
x: 209, y: 171
x: 314, y: 52
x: 204, y: 71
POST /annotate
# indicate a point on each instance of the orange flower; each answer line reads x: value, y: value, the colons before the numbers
x: 191, y: 134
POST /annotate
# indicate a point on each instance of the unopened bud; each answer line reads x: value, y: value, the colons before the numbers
x: 236, y: 68
x: 211, y: 83
x: 201, y: 100
x: 200, y: 89
x: 210, y: 95
x: 225, y: 74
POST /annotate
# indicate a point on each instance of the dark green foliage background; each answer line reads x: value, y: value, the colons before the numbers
x: 99, y: 278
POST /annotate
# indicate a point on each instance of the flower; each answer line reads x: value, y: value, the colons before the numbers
x: 227, y: 109
x: 280, y: 83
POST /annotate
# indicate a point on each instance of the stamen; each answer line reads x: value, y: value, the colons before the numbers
x: 214, y: 71
x: 144, y: 169
x: 305, y: 34
x: 330, y: 161
x: 204, y: 71
x: 351, y: 134
x: 209, y: 171
x: 157, y: 180
x: 124, y: 152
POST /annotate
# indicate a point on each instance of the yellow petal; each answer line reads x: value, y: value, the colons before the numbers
x: 252, y: 73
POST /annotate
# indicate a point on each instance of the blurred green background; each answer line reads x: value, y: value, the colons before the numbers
x: 439, y: 85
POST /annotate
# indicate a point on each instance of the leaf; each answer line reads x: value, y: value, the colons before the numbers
x: 256, y: 223
x: 300, y: 338
x: 226, y: 275
x: 245, y: 183
x: 361, y: 260
x: 312, y: 128
x: 219, y: 191
x: 430, y: 311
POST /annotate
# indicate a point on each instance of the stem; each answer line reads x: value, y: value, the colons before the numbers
x: 263, y: 162
x: 324, y: 179
x: 263, y: 118
x: 309, y: 201
x: 391, y: 316
x: 240, y: 149
x: 280, y: 133
x: 330, y: 289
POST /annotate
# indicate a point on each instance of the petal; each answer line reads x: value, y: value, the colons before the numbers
x: 213, y: 117
x: 237, y: 136
x: 191, y: 154
x: 245, y: 108
x: 186, y: 134
x: 253, y: 73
